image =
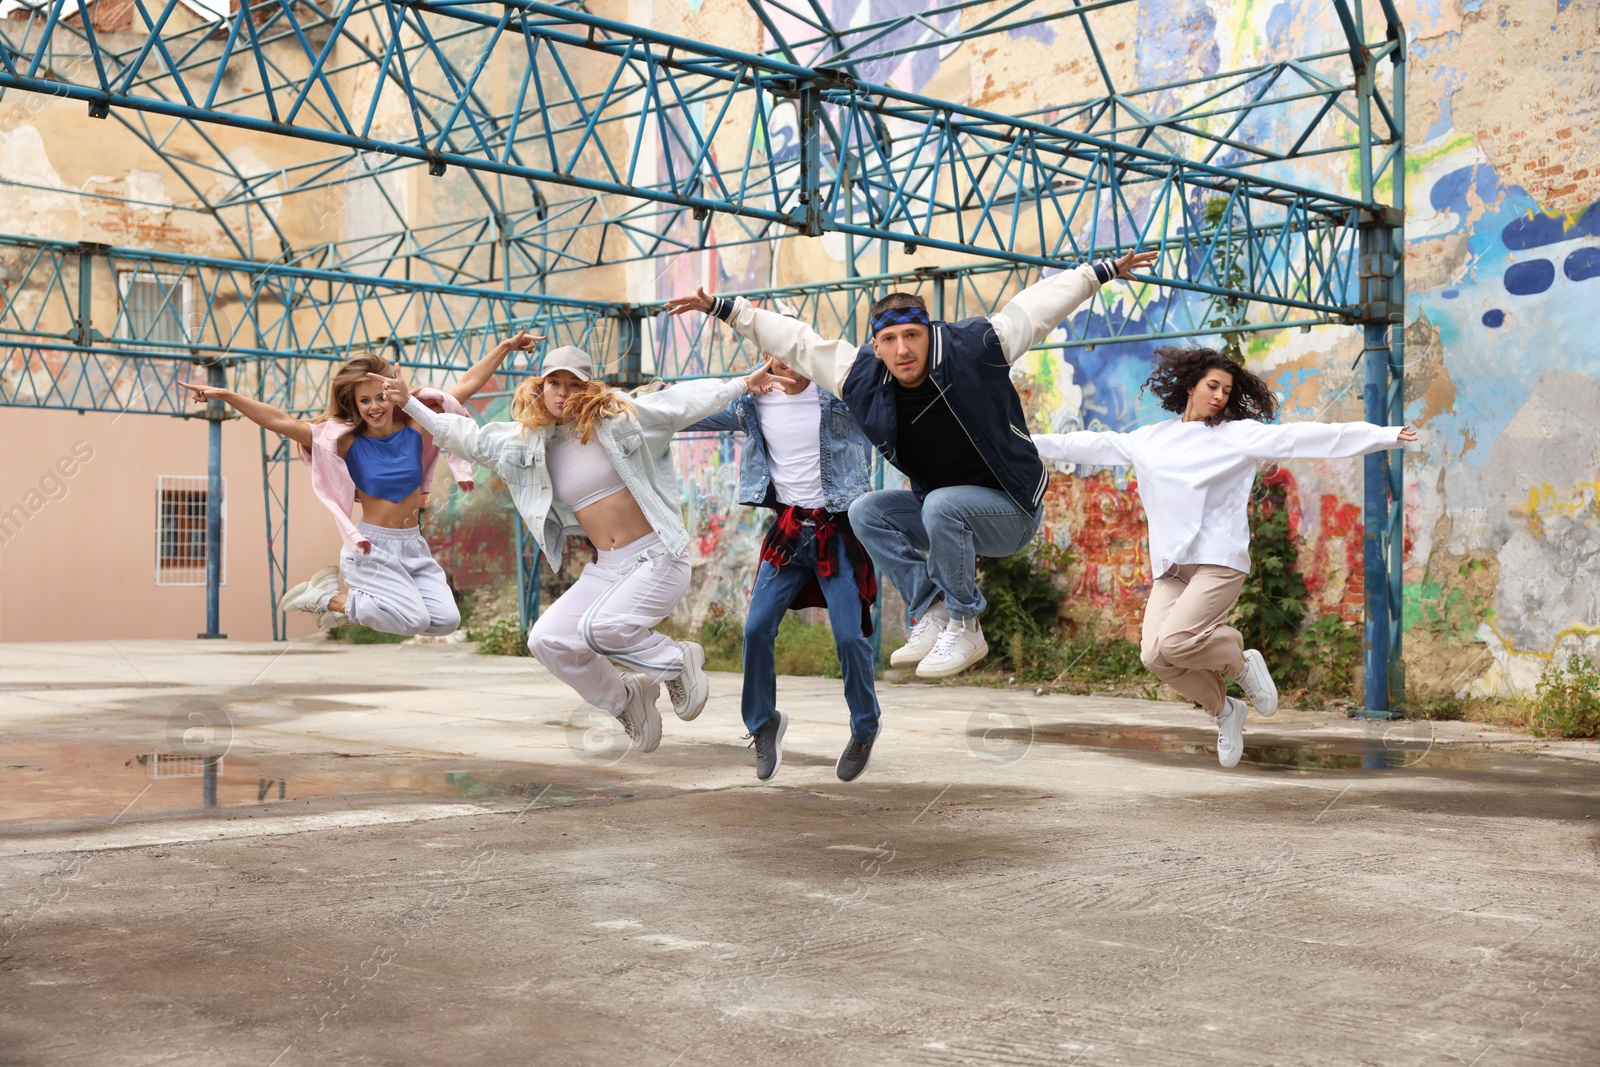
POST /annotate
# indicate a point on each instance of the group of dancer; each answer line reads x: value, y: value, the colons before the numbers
x: 934, y: 398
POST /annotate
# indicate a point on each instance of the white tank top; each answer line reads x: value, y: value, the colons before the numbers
x: 581, y: 474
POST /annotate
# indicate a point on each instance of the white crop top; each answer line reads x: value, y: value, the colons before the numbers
x: 581, y: 474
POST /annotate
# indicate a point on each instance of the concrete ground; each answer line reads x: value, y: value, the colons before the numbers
x: 417, y: 855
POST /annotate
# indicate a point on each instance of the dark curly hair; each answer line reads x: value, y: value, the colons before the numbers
x: 1178, y: 370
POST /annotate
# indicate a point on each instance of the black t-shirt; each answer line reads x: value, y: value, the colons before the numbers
x: 931, y: 445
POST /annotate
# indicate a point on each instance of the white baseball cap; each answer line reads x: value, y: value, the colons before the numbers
x: 568, y: 358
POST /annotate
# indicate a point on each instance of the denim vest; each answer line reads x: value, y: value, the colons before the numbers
x: 845, y: 456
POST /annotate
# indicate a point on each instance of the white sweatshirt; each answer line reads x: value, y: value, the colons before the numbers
x: 1195, y: 479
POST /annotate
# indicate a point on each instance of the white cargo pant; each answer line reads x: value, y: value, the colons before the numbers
x: 607, y: 616
x: 397, y: 588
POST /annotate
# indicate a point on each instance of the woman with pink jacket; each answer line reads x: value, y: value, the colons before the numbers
x: 364, y: 450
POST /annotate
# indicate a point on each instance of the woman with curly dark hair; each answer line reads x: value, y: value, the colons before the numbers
x: 1194, y: 475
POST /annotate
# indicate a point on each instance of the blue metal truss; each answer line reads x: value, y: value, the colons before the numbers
x: 564, y: 143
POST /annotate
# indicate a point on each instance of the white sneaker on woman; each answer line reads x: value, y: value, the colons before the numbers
x: 1230, y: 731
x: 1257, y: 684
x: 924, y: 635
x: 310, y: 595
x: 960, y: 645
x: 690, y: 689
x: 639, y: 716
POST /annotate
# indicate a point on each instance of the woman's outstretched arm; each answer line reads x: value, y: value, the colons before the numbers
x: 683, y: 404
x: 262, y: 414
x: 477, y: 376
x: 1322, y: 440
x: 1093, y: 447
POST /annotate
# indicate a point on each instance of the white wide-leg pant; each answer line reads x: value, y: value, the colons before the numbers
x: 606, y: 619
x: 397, y: 588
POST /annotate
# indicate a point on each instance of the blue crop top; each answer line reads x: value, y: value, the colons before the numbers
x: 389, y: 468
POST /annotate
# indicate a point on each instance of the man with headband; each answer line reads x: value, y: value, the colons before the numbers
x: 936, y: 399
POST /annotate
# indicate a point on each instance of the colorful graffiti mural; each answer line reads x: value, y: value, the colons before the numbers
x: 1502, y: 312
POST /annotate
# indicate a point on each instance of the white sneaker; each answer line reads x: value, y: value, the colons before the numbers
x: 639, y: 716
x: 310, y: 595
x: 332, y: 619
x: 959, y: 646
x: 1230, y: 732
x: 924, y: 635
x: 690, y: 689
x: 1257, y: 684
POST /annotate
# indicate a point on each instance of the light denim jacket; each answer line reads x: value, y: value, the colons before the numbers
x: 845, y: 455
x: 637, y: 444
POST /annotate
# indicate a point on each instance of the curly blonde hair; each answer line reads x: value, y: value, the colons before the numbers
x: 584, y: 408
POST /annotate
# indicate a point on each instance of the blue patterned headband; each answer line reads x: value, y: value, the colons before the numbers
x: 897, y: 317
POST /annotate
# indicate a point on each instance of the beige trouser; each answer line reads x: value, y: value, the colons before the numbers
x: 1185, y: 642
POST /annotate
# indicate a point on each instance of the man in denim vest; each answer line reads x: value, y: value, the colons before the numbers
x: 936, y: 399
x: 804, y: 457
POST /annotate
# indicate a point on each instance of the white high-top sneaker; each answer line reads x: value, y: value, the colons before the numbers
x: 1230, y: 731
x: 690, y: 689
x: 1257, y: 684
x: 924, y: 635
x: 960, y: 645
x: 310, y: 595
x: 639, y: 716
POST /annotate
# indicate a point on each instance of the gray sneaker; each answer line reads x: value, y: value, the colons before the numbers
x: 853, y: 760
x: 768, y: 743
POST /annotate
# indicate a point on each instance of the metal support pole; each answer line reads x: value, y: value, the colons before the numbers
x: 1377, y: 702
x: 217, y: 378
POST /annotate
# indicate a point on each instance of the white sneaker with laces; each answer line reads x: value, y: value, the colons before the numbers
x: 639, y: 716
x: 1230, y: 731
x: 959, y: 646
x: 332, y: 620
x: 310, y: 595
x: 924, y: 635
x: 1257, y: 684
x: 690, y: 689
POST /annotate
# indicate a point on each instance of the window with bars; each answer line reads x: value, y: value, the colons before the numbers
x: 156, y: 307
x: 181, y: 529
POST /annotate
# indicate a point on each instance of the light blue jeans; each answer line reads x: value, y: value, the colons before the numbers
x: 929, y: 548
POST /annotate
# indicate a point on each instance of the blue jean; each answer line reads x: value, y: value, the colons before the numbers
x: 775, y: 590
x: 929, y: 548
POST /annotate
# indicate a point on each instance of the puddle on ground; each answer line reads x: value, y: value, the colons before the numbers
x: 63, y: 782
x: 1407, y: 746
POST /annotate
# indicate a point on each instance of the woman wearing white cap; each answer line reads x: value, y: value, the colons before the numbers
x: 579, y: 455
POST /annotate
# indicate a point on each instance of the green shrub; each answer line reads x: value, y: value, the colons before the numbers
x: 722, y: 636
x: 1567, y: 700
x: 1331, y: 653
x: 1272, y: 602
x: 1440, y: 708
x: 1022, y: 600
x: 806, y: 649
x: 500, y: 637
x: 356, y: 634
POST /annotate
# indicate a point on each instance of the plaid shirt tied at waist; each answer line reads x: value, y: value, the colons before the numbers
x: 784, y: 536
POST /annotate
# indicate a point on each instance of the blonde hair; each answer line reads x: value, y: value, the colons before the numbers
x: 342, y: 388
x: 585, y: 407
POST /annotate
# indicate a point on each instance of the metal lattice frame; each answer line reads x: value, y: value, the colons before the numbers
x: 607, y: 143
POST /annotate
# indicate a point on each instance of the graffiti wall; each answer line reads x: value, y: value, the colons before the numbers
x: 1502, y: 316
